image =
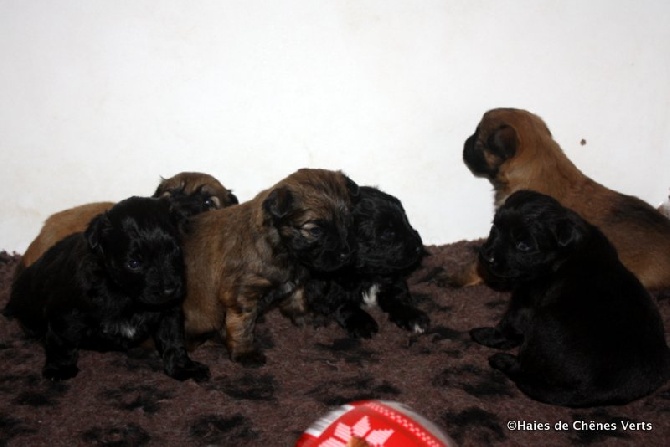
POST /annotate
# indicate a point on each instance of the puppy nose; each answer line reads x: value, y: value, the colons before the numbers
x: 487, y: 256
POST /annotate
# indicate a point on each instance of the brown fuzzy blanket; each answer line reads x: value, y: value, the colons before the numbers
x: 118, y: 400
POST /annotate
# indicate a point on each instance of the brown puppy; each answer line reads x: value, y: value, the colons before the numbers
x: 514, y: 149
x: 211, y: 194
x: 242, y: 259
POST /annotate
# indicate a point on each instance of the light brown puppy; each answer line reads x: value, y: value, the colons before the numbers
x: 240, y: 260
x: 514, y: 149
x: 194, y: 191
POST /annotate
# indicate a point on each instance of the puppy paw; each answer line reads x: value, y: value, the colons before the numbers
x: 361, y: 325
x: 189, y: 370
x: 299, y: 320
x: 506, y: 363
x: 412, y: 320
x: 493, y: 338
x: 59, y: 372
x: 251, y: 359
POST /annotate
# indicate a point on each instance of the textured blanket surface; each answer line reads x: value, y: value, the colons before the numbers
x: 122, y: 400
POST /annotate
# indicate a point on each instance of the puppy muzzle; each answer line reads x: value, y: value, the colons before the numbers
x: 167, y: 294
x: 489, y: 263
x: 170, y: 291
x: 330, y: 261
x: 475, y: 160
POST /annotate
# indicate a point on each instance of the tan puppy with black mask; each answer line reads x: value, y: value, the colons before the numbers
x: 514, y: 150
x: 243, y: 259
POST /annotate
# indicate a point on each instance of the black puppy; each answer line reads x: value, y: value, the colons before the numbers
x: 109, y: 288
x: 387, y: 249
x: 589, y: 332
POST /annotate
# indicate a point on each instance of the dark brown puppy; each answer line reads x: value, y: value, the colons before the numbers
x: 206, y: 191
x: 514, y: 149
x: 387, y: 250
x: 587, y: 330
x: 241, y: 259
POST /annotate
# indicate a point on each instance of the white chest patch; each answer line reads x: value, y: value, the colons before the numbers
x: 370, y: 297
x: 123, y: 329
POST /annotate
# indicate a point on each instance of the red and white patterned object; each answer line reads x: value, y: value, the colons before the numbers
x: 375, y: 424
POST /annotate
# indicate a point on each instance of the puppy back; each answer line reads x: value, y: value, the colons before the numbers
x: 320, y: 190
x: 51, y: 275
x: 539, y: 163
x: 59, y: 225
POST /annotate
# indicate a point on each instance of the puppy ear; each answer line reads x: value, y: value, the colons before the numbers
x: 568, y: 232
x: 503, y: 141
x: 166, y: 186
x: 161, y: 188
x: 278, y: 203
x: 96, y: 230
x: 353, y: 188
x: 180, y: 209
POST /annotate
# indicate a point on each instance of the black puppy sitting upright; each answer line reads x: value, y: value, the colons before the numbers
x: 109, y: 288
x: 387, y: 249
x: 590, y: 334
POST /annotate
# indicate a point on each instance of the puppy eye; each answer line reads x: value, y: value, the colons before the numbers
x: 387, y: 235
x: 315, y: 231
x: 134, y: 265
x: 523, y: 246
x: 212, y: 202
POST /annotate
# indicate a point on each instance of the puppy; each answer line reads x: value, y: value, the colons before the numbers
x: 193, y: 193
x: 387, y: 250
x: 515, y: 150
x: 590, y: 334
x: 244, y: 258
x: 109, y: 288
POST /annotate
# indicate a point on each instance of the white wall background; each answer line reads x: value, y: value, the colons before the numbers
x: 100, y: 98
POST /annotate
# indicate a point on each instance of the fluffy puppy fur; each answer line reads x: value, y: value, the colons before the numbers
x: 589, y: 332
x: 109, y: 288
x: 387, y: 250
x: 192, y: 192
x: 515, y: 150
x: 243, y: 258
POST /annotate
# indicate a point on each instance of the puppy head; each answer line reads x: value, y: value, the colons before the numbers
x: 193, y: 193
x: 137, y: 244
x: 505, y: 139
x: 311, y: 210
x: 531, y: 237
x: 386, y: 242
